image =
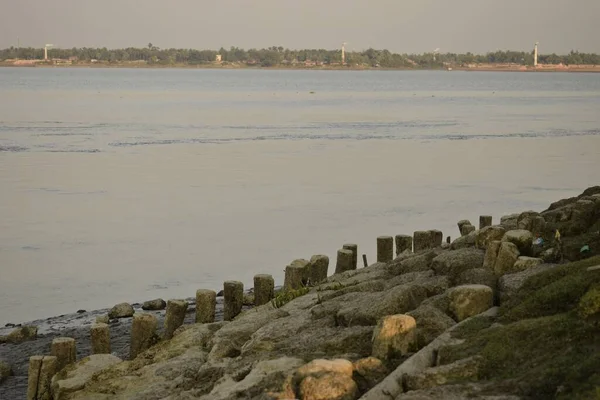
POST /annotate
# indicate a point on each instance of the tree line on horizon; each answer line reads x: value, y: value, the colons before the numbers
x: 277, y: 55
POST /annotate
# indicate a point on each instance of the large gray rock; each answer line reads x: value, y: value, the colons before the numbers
x: 466, y: 369
x: 367, y: 309
x: 20, y: 335
x: 491, y: 254
x: 453, y: 263
x: 122, y: 310
x: 394, y: 336
x: 320, y: 380
x: 74, y: 377
x: 531, y: 221
x: 368, y: 372
x: 478, y: 276
x: 524, y: 263
x: 154, y: 305
x: 418, y: 262
x: 5, y: 371
x: 521, y: 238
x: 509, y: 284
x: 265, y: 376
x: 464, y: 241
x: 431, y: 322
x: 488, y: 234
x: 507, y: 257
x: 509, y: 222
x: 469, y: 300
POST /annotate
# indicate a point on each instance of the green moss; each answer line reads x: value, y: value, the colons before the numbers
x: 589, y: 305
x: 552, y: 292
x: 472, y: 326
x: 538, y: 354
x: 286, y: 296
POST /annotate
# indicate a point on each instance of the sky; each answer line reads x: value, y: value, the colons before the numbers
x: 404, y: 26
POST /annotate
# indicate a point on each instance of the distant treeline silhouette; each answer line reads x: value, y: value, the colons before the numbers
x: 274, y: 56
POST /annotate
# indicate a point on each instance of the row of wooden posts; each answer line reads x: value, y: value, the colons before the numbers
x: 144, y: 325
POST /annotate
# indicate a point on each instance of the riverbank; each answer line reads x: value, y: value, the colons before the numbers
x: 486, y: 315
x: 299, y: 67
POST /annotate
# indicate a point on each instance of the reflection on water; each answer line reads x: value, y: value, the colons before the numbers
x: 123, y: 185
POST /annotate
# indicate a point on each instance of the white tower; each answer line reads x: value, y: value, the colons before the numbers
x: 46, y: 51
x: 535, y: 54
x: 343, y: 53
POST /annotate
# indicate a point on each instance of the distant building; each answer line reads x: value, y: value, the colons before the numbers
x: 218, y: 58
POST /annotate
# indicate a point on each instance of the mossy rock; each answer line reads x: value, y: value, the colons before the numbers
x: 589, y: 305
x: 551, y: 292
x: 544, y: 346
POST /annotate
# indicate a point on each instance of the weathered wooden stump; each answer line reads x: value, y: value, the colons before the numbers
x: 64, y: 349
x: 354, y: 249
x: 403, y: 243
x: 264, y: 289
x: 143, y: 333
x: 319, y: 265
x: 296, y: 274
x: 174, y: 317
x: 345, y: 261
x: 100, y: 337
x: 206, y: 303
x: 233, y: 293
x: 485, y: 220
x: 436, y: 238
x: 41, y: 371
x: 385, y: 248
x: 422, y: 240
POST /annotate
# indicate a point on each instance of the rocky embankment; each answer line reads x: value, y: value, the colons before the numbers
x: 506, y: 311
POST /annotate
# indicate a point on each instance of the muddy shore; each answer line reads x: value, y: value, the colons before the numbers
x: 76, y: 326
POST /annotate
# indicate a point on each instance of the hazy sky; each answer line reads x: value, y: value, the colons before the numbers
x: 398, y: 25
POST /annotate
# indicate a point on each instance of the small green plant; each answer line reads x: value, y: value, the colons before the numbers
x: 285, y: 296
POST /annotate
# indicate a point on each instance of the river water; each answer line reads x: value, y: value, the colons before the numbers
x: 126, y: 185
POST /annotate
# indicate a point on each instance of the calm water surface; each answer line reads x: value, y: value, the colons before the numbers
x: 127, y: 185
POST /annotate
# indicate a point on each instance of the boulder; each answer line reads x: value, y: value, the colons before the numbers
x: 453, y: 263
x: 462, y: 370
x: 323, y: 367
x: 328, y: 387
x: 154, y: 305
x: 368, y: 372
x: 102, y: 319
x: 491, y: 254
x: 440, y: 302
x: 531, y: 221
x: 322, y: 379
x: 265, y: 376
x: 20, y: 335
x: 75, y: 376
x: 419, y: 262
x: 524, y: 263
x: 521, y: 238
x: 367, y: 309
x: 464, y: 241
x: 488, y: 234
x: 469, y: 300
x: 394, y: 336
x: 509, y: 284
x: 507, y: 257
x: 122, y: 310
x: 466, y: 229
x: 509, y: 222
x: 462, y: 223
x: 431, y: 322
x: 479, y: 276
x: 5, y: 371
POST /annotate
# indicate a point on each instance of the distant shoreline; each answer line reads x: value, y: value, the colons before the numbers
x: 481, y: 68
